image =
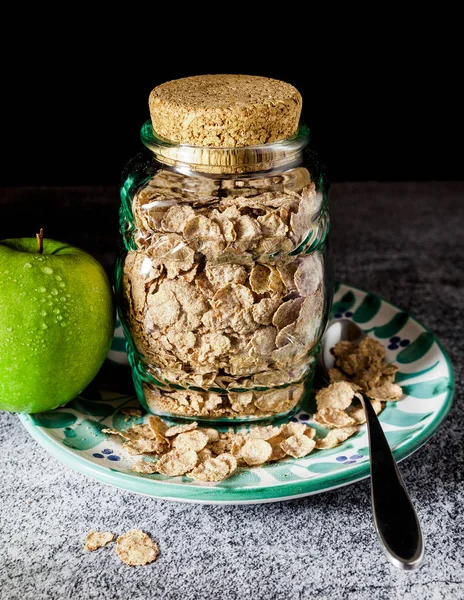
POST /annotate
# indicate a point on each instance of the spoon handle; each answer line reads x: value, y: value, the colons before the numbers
x: 395, y: 519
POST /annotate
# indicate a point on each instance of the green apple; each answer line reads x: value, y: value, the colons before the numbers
x: 56, y: 323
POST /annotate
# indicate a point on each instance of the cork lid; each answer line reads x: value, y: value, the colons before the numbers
x: 225, y: 111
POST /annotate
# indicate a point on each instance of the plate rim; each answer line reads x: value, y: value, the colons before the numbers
x: 255, y: 495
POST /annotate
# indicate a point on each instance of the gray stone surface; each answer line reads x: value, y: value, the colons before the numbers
x: 403, y: 241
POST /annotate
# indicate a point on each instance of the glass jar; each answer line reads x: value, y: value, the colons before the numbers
x: 222, y: 282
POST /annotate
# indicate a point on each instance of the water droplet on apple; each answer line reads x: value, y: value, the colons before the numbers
x: 27, y: 265
x: 63, y: 324
x: 56, y: 311
x: 63, y: 299
x: 9, y: 328
x: 58, y: 278
x: 55, y: 292
x: 60, y: 318
x: 68, y: 295
x: 47, y: 270
x: 44, y: 313
x: 42, y: 290
x: 44, y: 326
x: 62, y: 284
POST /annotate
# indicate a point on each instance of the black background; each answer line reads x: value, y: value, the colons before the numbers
x: 380, y: 106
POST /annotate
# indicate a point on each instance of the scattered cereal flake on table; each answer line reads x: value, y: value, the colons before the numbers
x: 177, y: 462
x: 136, y: 548
x: 98, y: 539
x: 335, y: 437
x: 298, y: 446
x: 180, y: 429
x: 255, y: 452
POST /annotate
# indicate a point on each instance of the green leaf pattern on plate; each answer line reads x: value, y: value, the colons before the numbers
x: 88, y: 435
x: 417, y: 350
x: 368, y: 309
x: 346, y: 302
x: 392, y: 327
x: 54, y: 419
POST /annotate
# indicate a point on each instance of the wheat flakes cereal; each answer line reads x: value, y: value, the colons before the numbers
x: 135, y: 548
x: 181, y: 429
x: 97, y: 539
x: 297, y: 446
x: 255, y: 452
x: 177, y: 462
x: 335, y: 437
x: 194, y: 440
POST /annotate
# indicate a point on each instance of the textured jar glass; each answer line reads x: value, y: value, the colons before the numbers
x: 222, y: 281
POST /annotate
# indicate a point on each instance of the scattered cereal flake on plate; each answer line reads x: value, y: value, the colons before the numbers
x: 143, y: 446
x: 212, y: 469
x: 265, y: 432
x: 335, y: 437
x: 277, y: 452
x: 177, y: 462
x: 230, y: 460
x: 337, y: 395
x: 98, y: 539
x: 136, y: 548
x: 180, y: 429
x: 358, y: 414
x: 255, y: 452
x: 334, y: 417
x: 297, y: 446
x: 204, y: 455
x: 148, y: 468
x: 336, y: 375
x: 157, y: 425
x: 131, y: 412
x: 292, y: 428
x: 110, y: 431
x: 212, y: 434
x: 386, y: 391
x: 194, y: 440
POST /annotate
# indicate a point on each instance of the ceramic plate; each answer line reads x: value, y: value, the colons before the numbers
x: 73, y: 433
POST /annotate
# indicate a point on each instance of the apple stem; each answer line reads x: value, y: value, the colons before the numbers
x: 40, y: 237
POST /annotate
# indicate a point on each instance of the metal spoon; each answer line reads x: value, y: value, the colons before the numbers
x: 395, y: 519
